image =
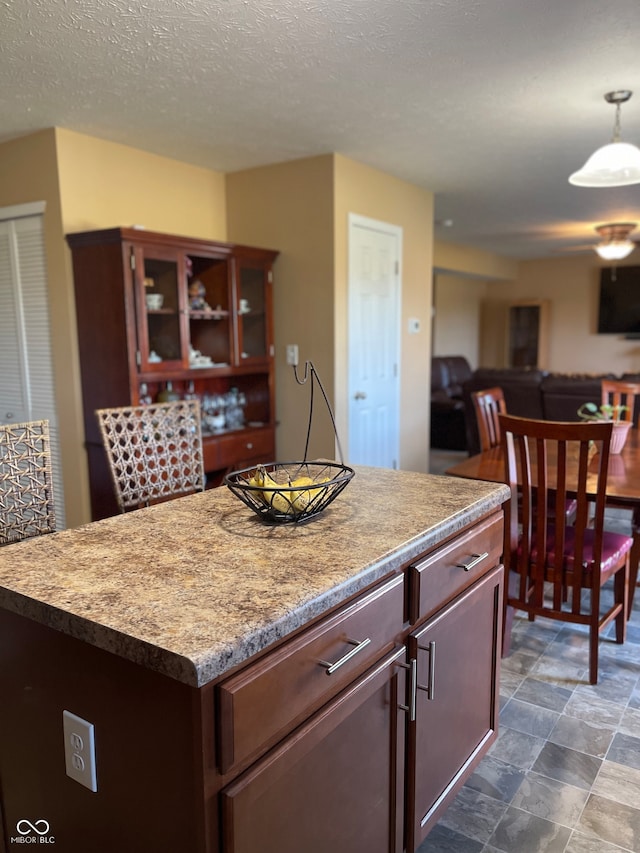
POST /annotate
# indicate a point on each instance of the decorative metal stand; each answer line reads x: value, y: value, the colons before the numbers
x: 293, y: 492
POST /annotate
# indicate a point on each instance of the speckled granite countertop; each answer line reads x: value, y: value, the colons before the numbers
x: 192, y: 587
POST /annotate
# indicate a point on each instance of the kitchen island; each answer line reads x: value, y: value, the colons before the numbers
x: 254, y: 688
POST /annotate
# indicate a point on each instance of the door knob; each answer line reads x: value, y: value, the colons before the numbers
x: 359, y: 395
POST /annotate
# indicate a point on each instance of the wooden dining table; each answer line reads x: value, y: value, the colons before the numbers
x: 623, y: 484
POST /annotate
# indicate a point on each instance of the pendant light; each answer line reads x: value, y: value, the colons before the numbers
x: 616, y: 164
x: 615, y: 243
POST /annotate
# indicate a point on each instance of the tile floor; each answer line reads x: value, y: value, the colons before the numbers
x: 564, y: 774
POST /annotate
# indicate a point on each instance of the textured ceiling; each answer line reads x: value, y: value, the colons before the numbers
x: 489, y: 103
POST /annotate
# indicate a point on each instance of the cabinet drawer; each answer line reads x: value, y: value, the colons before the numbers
x: 234, y: 449
x: 237, y: 451
x: 443, y: 574
x: 269, y: 698
x: 210, y: 453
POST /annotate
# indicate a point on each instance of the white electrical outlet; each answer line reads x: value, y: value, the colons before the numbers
x: 79, y: 750
x: 292, y: 354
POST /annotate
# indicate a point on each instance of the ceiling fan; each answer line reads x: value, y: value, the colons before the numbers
x: 615, y: 241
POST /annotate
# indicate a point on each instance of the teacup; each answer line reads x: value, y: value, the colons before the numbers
x: 154, y: 301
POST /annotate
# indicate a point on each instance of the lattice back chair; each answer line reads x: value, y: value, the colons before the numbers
x: 488, y: 404
x: 154, y: 452
x: 559, y: 569
x: 26, y: 490
x: 618, y: 393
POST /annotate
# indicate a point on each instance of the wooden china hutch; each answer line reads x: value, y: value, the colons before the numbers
x: 205, y: 331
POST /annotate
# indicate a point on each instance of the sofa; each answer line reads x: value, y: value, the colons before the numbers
x: 528, y: 392
x: 533, y: 393
x: 448, y: 418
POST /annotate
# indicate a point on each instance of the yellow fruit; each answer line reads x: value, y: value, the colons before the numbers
x: 291, y: 499
x: 303, y: 498
x: 266, y: 486
x: 303, y: 481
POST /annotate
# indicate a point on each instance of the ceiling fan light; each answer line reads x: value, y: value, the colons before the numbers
x: 614, y: 242
x: 614, y: 165
x: 616, y: 250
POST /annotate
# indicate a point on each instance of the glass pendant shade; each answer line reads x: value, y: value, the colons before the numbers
x: 615, y: 251
x: 614, y: 165
x: 615, y: 244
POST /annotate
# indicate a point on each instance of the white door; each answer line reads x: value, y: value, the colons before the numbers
x: 375, y: 250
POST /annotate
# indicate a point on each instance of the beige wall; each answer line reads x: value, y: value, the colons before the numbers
x: 289, y: 207
x: 299, y: 208
x: 28, y: 172
x: 571, y: 286
x: 376, y: 195
x: 106, y: 185
x: 465, y: 320
x: 302, y: 208
x: 459, y: 259
x: 88, y: 183
x: 457, y: 307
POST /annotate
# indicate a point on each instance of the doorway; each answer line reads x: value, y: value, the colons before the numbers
x: 375, y: 253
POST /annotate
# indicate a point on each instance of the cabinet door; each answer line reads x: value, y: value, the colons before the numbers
x: 457, y: 699
x: 253, y: 307
x: 210, y: 314
x: 160, y: 305
x: 339, y: 774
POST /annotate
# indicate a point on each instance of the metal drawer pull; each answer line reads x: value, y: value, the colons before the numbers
x: 432, y: 670
x: 359, y: 646
x: 430, y: 689
x: 412, y: 666
x: 475, y: 559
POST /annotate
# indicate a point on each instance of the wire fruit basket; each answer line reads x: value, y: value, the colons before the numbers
x: 292, y: 492
x: 285, y: 492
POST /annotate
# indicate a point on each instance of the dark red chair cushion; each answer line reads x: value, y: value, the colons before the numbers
x: 614, y: 546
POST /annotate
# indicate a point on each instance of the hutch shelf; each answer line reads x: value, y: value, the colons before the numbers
x: 159, y: 314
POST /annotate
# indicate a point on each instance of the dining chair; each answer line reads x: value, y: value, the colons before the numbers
x: 154, y: 451
x: 488, y: 403
x: 26, y: 489
x: 619, y: 393
x: 556, y: 569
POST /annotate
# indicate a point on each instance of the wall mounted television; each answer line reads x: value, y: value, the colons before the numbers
x: 619, y: 302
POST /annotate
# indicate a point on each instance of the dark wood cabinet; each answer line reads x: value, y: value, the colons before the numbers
x: 340, y: 776
x: 456, y: 605
x: 349, y: 780
x: 351, y: 734
x: 266, y: 700
x: 456, y: 700
x: 154, y: 309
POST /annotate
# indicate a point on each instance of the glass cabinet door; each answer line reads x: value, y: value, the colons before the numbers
x: 161, y: 313
x: 209, y: 311
x: 253, y: 310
